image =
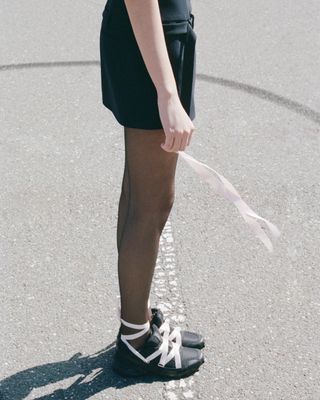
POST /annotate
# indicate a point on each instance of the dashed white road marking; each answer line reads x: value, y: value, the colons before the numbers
x: 166, y: 289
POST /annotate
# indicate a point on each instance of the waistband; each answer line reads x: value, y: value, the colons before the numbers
x: 175, y: 16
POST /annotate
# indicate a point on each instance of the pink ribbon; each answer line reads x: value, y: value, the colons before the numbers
x: 223, y: 187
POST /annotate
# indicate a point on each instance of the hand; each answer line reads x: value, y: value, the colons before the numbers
x: 176, y: 123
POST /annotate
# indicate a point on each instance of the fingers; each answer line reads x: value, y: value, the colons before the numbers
x: 168, y: 144
x: 177, y: 141
x: 184, y: 141
x: 190, y: 136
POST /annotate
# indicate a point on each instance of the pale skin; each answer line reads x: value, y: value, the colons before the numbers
x: 148, y: 31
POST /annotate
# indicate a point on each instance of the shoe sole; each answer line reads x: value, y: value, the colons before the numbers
x: 119, y: 366
x: 198, y: 346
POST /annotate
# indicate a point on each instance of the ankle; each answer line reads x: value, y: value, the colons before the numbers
x: 136, y: 328
x: 137, y: 342
x: 149, y: 314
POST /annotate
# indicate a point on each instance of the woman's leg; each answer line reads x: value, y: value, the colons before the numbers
x: 123, y: 204
x: 145, y: 203
x: 122, y: 214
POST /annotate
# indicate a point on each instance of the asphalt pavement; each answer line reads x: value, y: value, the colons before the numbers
x: 61, y: 164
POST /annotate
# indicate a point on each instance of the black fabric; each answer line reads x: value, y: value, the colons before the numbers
x: 170, y: 10
x: 127, y: 88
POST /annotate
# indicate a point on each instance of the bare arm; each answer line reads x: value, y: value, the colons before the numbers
x: 145, y: 19
x: 146, y: 23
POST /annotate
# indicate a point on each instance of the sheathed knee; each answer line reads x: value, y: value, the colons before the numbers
x: 150, y: 209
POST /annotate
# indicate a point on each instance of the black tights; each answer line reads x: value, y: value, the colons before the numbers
x: 146, y: 200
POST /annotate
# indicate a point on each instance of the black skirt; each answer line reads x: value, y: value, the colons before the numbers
x: 127, y: 88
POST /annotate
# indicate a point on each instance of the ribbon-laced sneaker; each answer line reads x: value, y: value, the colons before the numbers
x: 157, y: 356
x: 176, y: 334
x: 186, y: 338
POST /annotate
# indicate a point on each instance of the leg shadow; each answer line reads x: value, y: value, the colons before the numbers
x: 95, y: 373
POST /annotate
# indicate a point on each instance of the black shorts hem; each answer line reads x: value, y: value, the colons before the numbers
x: 137, y: 124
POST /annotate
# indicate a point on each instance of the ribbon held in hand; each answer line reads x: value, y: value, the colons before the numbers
x: 223, y: 187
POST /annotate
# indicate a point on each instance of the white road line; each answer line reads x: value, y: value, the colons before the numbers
x: 166, y: 290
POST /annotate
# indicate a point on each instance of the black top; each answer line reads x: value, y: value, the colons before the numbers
x: 170, y: 10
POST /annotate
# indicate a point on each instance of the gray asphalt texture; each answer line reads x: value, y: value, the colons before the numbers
x: 61, y: 165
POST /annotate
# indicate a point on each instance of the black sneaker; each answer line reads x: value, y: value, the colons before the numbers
x: 157, y: 356
x: 186, y: 338
x: 176, y: 334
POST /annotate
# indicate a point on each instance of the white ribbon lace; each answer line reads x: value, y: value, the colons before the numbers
x: 163, y: 349
x: 223, y: 187
x: 175, y: 334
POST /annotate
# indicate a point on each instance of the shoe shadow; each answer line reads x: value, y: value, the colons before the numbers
x: 96, y: 376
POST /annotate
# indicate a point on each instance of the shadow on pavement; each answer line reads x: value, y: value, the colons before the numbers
x: 19, y: 385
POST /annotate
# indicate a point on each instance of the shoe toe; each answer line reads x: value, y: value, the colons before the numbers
x: 192, y: 339
x: 191, y: 357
